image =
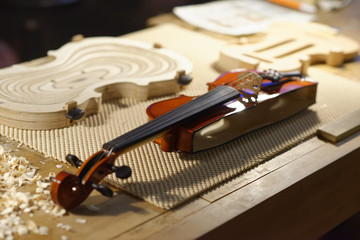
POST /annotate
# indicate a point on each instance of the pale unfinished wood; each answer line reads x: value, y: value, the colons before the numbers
x: 164, y: 220
x: 124, y: 217
x: 264, y: 169
x: 290, y: 47
x: 341, y: 128
x: 86, y: 72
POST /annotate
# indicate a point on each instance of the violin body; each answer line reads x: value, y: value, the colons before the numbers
x: 275, y: 102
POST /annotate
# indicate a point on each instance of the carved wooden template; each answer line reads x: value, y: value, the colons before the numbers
x: 39, y: 94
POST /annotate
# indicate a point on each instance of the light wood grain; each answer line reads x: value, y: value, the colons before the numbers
x: 341, y: 128
x: 297, y: 200
x: 86, y: 72
x: 285, y: 49
x: 311, y: 189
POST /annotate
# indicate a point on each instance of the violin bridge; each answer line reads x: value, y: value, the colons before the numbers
x: 249, y: 82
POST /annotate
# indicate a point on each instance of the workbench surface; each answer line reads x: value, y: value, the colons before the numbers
x: 299, y: 193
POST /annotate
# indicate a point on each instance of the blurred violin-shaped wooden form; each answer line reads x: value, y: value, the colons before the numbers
x: 290, y: 47
x: 266, y: 97
x: 237, y: 102
x: 71, y: 82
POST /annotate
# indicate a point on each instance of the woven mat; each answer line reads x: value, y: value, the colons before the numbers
x: 168, y: 179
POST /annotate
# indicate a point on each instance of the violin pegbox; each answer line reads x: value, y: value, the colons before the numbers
x: 290, y: 47
x: 69, y: 190
x: 71, y: 83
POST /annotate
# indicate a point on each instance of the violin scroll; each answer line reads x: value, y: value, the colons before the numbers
x: 70, y: 190
x: 67, y: 190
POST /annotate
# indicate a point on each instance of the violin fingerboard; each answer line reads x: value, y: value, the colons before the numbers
x: 180, y: 115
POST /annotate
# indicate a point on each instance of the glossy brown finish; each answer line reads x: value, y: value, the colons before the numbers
x: 69, y: 190
x: 272, y: 93
x: 180, y: 138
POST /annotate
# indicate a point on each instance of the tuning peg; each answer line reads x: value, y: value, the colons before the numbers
x: 73, y: 160
x: 122, y: 172
x: 104, y: 190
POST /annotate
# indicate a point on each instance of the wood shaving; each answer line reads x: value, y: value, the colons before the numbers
x: 64, y: 237
x: 43, y: 230
x: 31, y: 226
x: 81, y: 220
x: 14, y: 173
x: 22, y: 230
x: 64, y: 226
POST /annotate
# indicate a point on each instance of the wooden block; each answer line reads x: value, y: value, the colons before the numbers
x: 341, y: 128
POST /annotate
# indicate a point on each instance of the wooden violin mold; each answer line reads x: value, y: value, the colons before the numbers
x: 71, y: 83
x: 290, y: 47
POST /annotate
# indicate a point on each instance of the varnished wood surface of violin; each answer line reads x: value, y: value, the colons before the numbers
x: 71, y: 82
x: 277, y: 100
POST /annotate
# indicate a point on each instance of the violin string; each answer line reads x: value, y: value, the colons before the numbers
x: 136, y: 134
x: 93, y: 162
x: 107, y: 153
x: 159, y: 122
x: 237, y: 79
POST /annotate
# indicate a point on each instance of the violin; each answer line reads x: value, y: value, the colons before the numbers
x: 269, y: 97
x: 180, y: 124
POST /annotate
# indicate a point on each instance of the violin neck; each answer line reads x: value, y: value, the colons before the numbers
x: 181, y: 115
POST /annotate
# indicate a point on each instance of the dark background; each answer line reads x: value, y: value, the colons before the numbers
x: 29, y: 28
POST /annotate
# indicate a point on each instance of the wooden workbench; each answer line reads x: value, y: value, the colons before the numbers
x: 300, y: 194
